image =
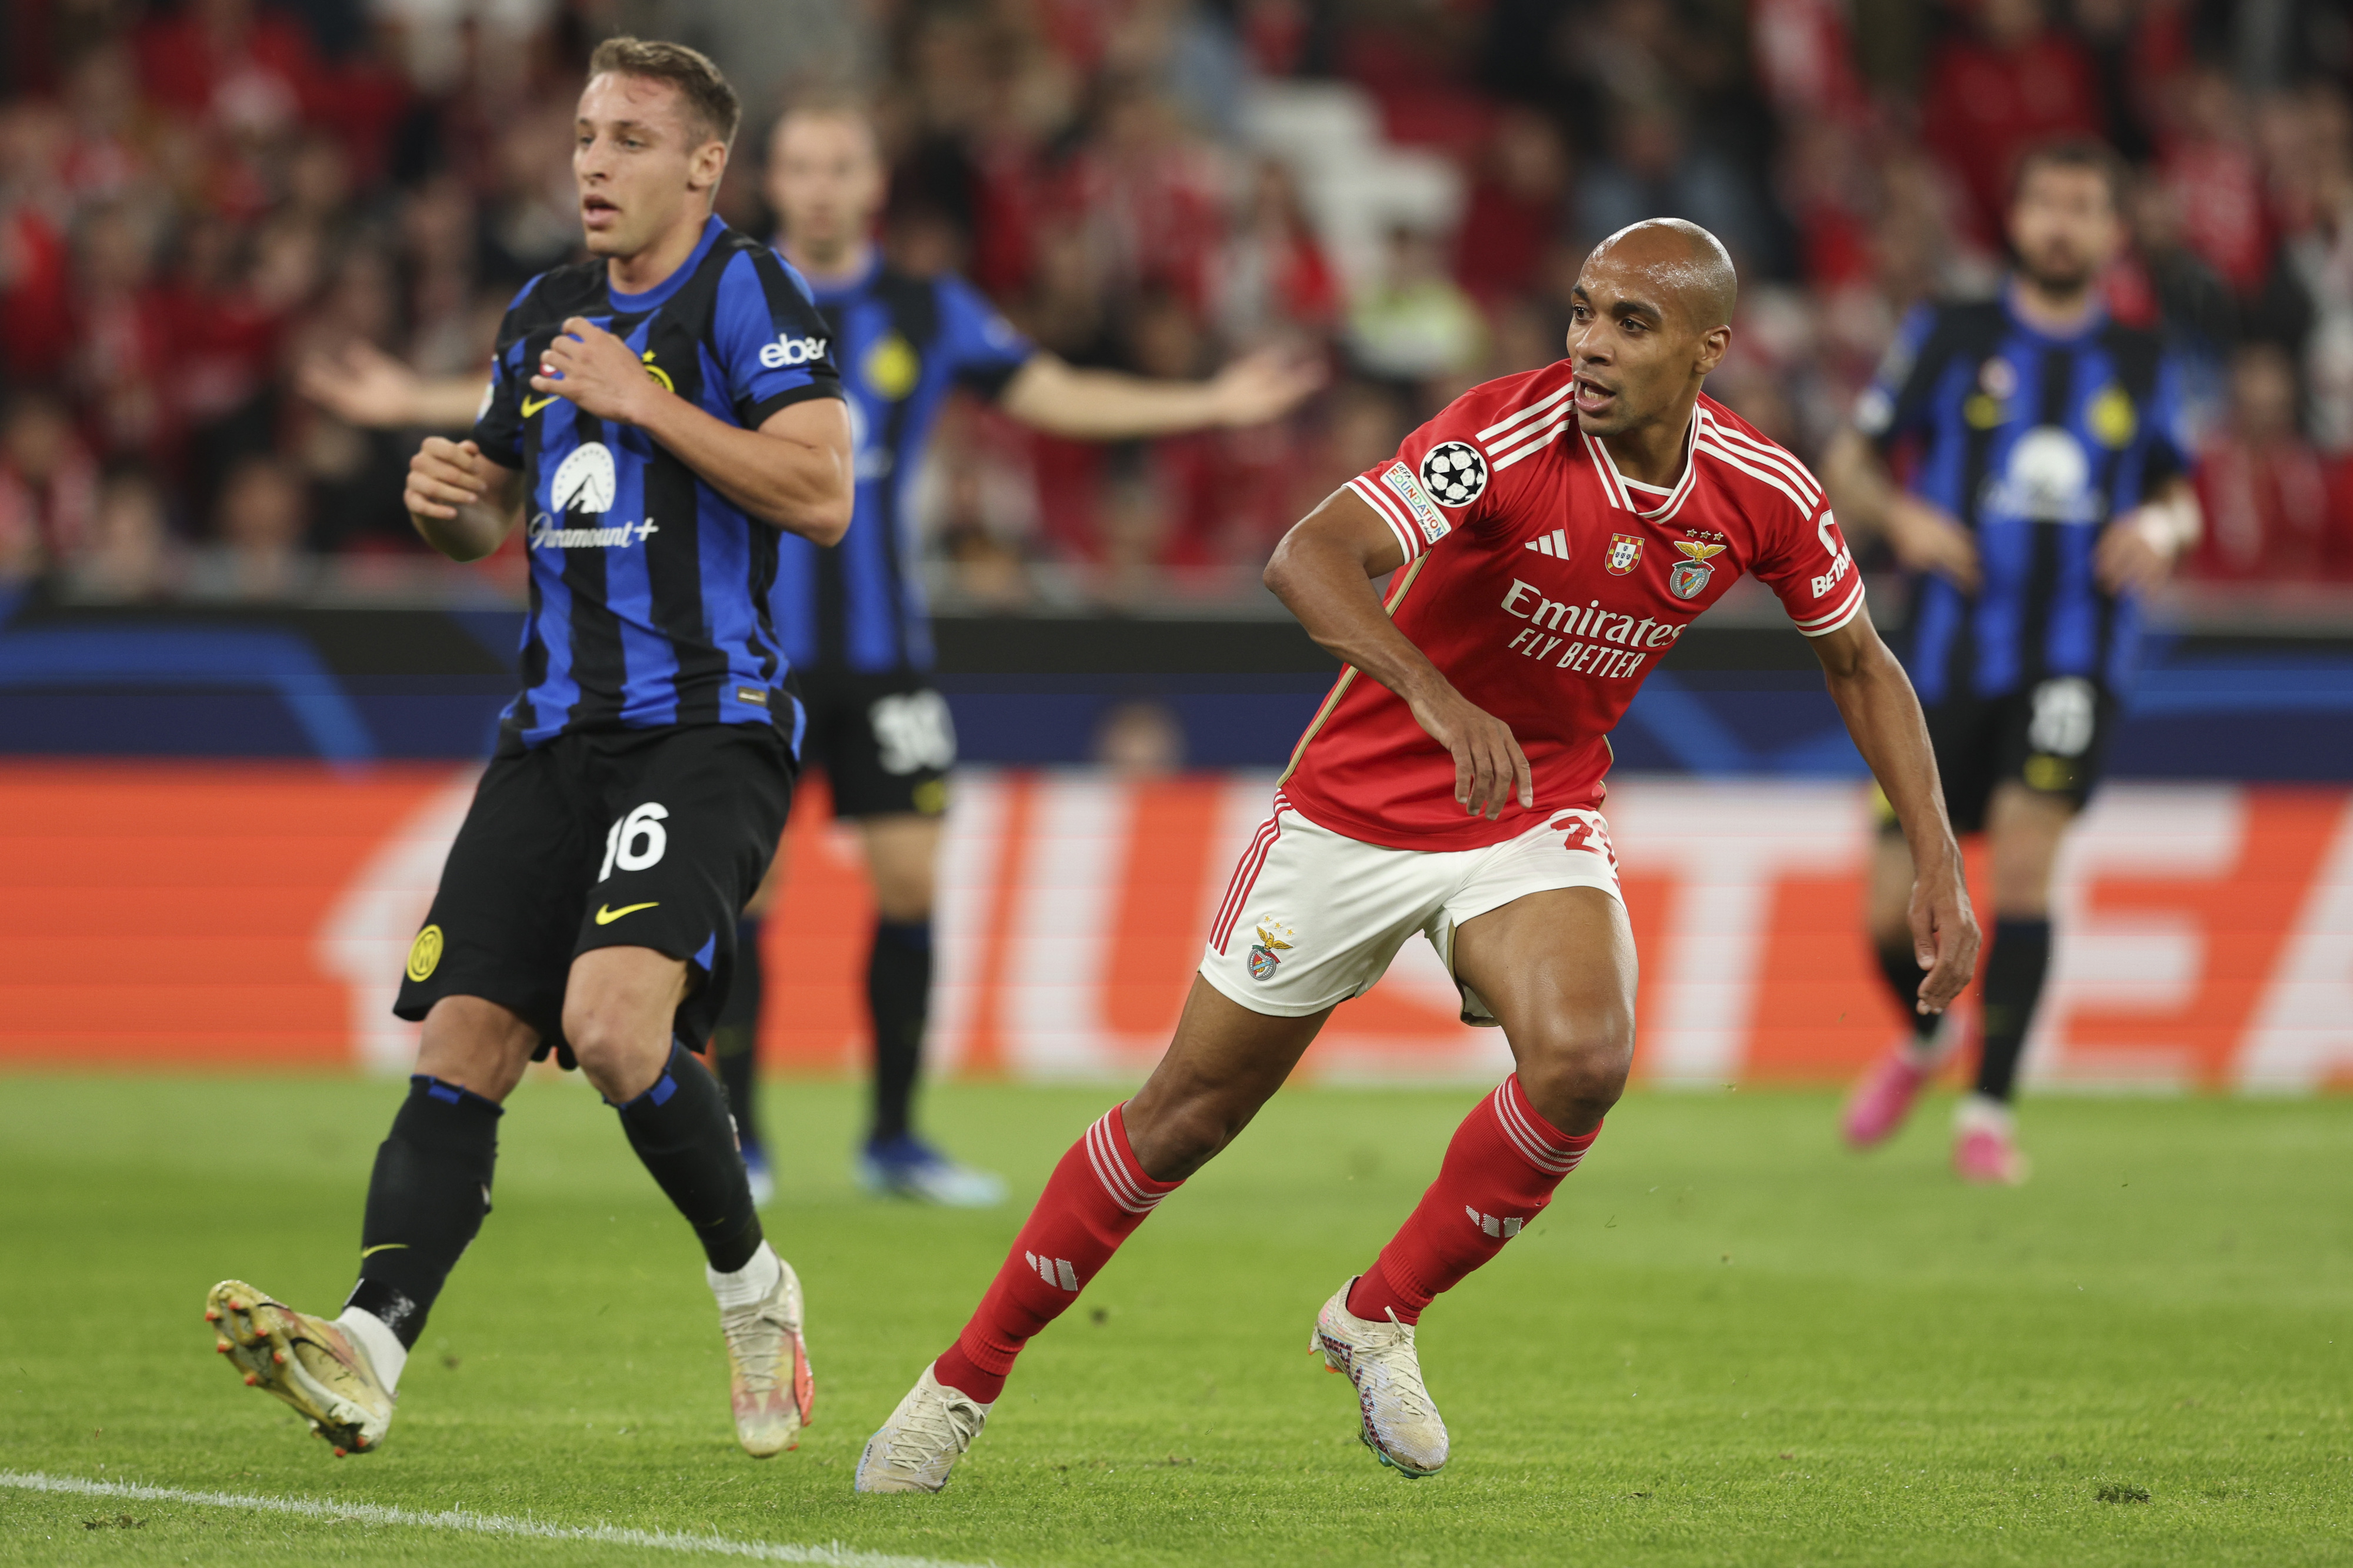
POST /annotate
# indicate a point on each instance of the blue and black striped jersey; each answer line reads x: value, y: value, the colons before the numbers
x: 903, y: 343
x: 649, y: 590
x: 2034, y: 442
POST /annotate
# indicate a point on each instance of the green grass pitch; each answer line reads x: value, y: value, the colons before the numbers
x: 1728, y: 1341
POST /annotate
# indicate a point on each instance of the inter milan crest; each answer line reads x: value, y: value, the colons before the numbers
x: 1264, y: 958
x: 1625, y: 554
x: 1691, y: 575
x: 1454, y: 473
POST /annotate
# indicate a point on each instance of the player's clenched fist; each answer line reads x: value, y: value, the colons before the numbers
x: 444, y: 476
x: 1489, y: 769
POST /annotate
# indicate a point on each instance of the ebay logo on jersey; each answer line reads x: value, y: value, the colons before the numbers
x: 786, y: 351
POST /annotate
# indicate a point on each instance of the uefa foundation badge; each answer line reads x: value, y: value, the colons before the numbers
x: 1263, y: 959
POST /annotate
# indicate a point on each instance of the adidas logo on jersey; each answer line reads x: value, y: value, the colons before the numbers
x: 1055, y: 1271
x: 1555, y: 544
x: 1506, y: 1228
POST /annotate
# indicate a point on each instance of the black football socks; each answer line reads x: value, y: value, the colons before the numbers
x: 680, y: 1131
x: 2015, y: 963
x: 899, y: 992
x: 735, y: 1039
x: 425, y: 1203
x: 1903, y: 976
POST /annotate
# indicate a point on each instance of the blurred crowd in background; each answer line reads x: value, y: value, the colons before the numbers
x: 205, y: 206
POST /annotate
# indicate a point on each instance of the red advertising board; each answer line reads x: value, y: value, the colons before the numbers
x: 255, y: 914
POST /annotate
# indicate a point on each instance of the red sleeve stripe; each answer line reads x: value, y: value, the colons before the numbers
x: 1768, y: 453
x: 1527, y: 442
x: 1521, y: 415
x: 1849, y: 607
x: 1407, y: 536
x: 1753, y: 469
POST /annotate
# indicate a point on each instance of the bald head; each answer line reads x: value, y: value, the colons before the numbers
x: 1651, y: 316
x: 1686, y: 265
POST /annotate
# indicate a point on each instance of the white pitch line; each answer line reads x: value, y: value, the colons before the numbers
x: 835, y: 1555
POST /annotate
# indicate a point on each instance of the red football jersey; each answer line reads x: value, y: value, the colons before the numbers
x: 1546, y: 586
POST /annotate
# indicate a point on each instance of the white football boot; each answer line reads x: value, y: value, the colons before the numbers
x: 1402, y: 1426
x: 770, y: 1386
x: 921, y: 1441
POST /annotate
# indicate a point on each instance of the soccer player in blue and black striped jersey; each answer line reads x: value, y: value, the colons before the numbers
x: 852, y: 620
x: 657, y: 416
x: 2046, y: 489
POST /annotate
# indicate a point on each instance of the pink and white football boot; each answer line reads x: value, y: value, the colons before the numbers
x: 1883, y: 1096
x: 1985, y: 1144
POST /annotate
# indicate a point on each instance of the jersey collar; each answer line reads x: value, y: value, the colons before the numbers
x: 1613, y: 483
x: 858, y: 282
x: 659, y: 295
x: 2093, y: 322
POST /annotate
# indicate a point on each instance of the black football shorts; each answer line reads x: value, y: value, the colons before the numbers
x: 884, y: 740
x: 614, y: 838
x: 2052, y: 737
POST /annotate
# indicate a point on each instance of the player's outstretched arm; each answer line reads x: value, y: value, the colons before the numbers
x: 1882, y: 714
x: 1323, y: 571
x: 794, y: 472
x: 1047, y: 393
x: 460, y: 501
x: 365, y: 386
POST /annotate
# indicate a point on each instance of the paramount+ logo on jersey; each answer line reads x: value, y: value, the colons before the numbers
x: 586, y: 481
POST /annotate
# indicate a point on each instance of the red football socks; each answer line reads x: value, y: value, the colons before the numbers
x: 1095, y: 1198
x: 1498, y: 1175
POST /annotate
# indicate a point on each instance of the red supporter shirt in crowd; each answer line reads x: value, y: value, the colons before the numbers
x: 1545, y: 586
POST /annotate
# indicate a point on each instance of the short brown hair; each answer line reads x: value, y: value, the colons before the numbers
x: 2088, y: 153
x: 710, y: 104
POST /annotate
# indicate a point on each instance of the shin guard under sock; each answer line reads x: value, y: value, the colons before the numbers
x: 2016, y: 960
x: 899, y: 995
x: 680, y: 1132
x: 426, y: 1201
x: 1094, y: 1200
x: 736, y: 1037
x: 1903, y: 976
x: 1498, y: 1175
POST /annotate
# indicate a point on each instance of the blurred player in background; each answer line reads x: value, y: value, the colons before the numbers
x: 1553, y: 533
x: 2046, y: 491
x: 852, y: 619
x: 659, y: 412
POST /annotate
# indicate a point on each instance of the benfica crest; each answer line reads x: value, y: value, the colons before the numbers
x: 1625, y: 554
x: 1691, y: 573
x: 1263, y: 957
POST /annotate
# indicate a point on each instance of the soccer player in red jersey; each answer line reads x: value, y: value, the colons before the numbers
x: 1551, y: 535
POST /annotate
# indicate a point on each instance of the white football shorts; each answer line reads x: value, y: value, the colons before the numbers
x: 1313, y: 917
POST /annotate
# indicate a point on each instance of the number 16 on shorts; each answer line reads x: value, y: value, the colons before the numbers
x: 637, y: 841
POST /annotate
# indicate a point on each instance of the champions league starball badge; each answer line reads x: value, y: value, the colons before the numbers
x: 1454, y: 473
